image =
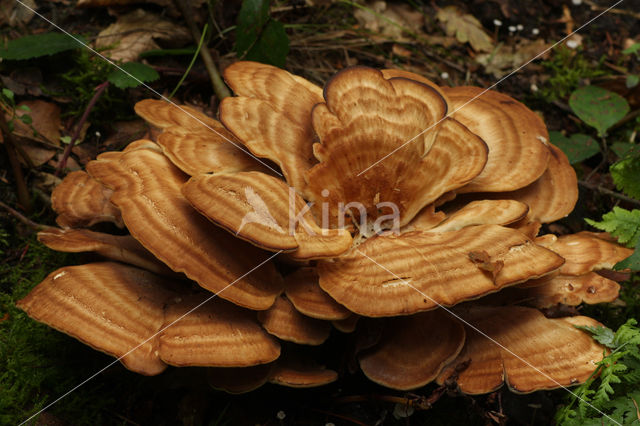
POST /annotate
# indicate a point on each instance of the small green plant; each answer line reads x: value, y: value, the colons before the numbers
x: 567, y: 69
x: 617, y: 374
x: 8, y: 99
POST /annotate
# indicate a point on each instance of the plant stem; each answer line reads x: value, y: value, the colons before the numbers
x: 65, y: 156
x: 193, y: 60
x: 21, y: 186
x: 606, y: 191
x: 219, y: 87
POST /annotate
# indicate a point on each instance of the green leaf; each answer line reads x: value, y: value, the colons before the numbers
x: 634, y: 48
x: 626, y: 176
x: 632, y: 80
x: 26, y: 119
x: 35, y: 46
x: 622, y: 224
x: 623, y: 149
x: 632, y: 262
x: 24, y: 108
x: 598, y: 107
x: 272, y: 47
x: 132, y: 74
x: 65, y: 139
x: 258, y: 37
x: 252, y: 18
x: 578, y: 147
x: 601, y: 334
x: 7, y: 94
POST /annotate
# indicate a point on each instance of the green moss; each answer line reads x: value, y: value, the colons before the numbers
x: 567, y: 68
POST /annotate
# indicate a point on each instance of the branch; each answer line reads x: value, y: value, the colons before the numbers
x: 606, y: 191
x: 22, y: 218
x: 21, y: 186
x: 219, y: 87
x: 65, y: 156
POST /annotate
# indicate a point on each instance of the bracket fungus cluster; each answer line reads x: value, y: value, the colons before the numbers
x: 380, y: 208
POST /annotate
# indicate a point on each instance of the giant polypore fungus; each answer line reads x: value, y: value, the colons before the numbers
x: 380, y: 195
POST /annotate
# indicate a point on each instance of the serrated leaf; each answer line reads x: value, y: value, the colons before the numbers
x: 272, y: 47
x: 132, y: 74
x: 624, y: 149
x: 578, y: 147
x: 252, y: 18
x: 465, y: 27
x: 35, y: 46
x: 601, y: 334
x: 626, y: 176
x: 598, y: 107
x: 621, y: 223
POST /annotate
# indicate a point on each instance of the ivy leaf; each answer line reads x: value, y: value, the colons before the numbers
x: 578, y: 147
x: 621, y: 223
x: 258, y: 37
x: 35, y: 46
x: 626, y: 176
x: 598, y: 107
x: 140, y: 73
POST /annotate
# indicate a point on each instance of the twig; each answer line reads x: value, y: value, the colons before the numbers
x: 594, y: 6
x: 21, y: 185
x: 65, y: 156
x: 22, y: 218
x: 219, y: 87
x: 606, y: 191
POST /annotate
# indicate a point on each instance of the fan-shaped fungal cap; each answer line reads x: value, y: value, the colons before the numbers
x: 347, y: 325
x: 302, y: 289
x: 394, y: 275
x: 554, y: 195
x: 516, y: 136
x: 264, y: 211
x: 365, y: 119
x: 147, y: 190
x: 123, y: 248
x: 271, y: 116
x: 215, y: 334
x: 282, y: 320
x: 301, y: 373
x: 556, y: 353
x: 109, y: 306
x: 588, y: 251
x: 413, y: 350
x: 570, y: 290
x: 201, y: 151
x: 82, y: 201
x: 164, y: 114
x: 237, y: 380
x: 483, y: 212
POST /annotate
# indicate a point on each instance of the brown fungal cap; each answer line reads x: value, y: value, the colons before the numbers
x: 561, y: 354
x: 216, y: 334
x: 201, y: 151
x: 284, y: 321
x: 301, y: 373
x: 570, y: 290
x: 257, y: 208
x: 163, y: 115
x: 147, y: 189
x: 123, y: 248
x: 303, y: 290
x: 516, y: 136
x: 588, y: 251
x: 413, y: 350
x: 82, y: 201
x: 236, y: 380
x: 271, y: 116
x: 109, y: 306
x: 483, y: 212
x: 427, y: 269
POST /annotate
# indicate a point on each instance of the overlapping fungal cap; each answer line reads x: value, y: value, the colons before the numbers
x: 469, y: 175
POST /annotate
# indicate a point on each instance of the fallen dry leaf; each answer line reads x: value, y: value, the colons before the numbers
x: 14, y: 14
x: 465, y: 27
x: 507, y: 58
x: 137, y: 32
x: 45, y: 118
x: 395, y: 21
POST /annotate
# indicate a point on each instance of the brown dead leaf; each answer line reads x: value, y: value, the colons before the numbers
x: 137, y: 32
x: 13, y: 14
x: 465, y: 27
x: 45, y: 118
x: 38, y: 154
x: 483, y: 261
x: 394, y: 21
x: 507, y: 58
